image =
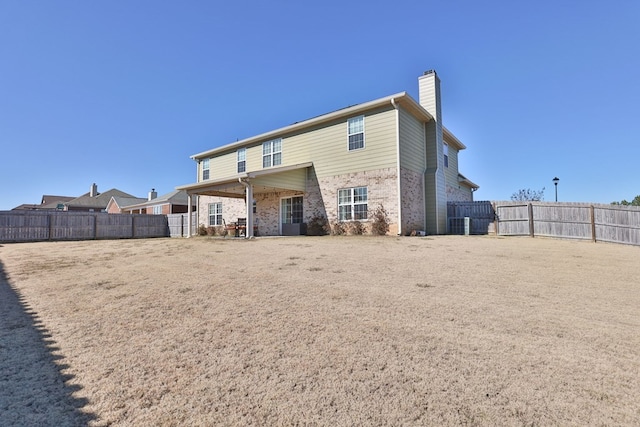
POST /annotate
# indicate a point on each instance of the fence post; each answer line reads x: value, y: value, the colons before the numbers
x: 133, y: 225
x: 50, y: 227
x: 531, y: 233
x: 593, y: 223
x: 95, y: 226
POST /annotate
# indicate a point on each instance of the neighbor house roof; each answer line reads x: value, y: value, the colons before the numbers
x: 175, y: 197
x: 123, y: 202
x: 26, y: 207
x: 98, y: 202
x: 48, y: 199
x: 48, y: 202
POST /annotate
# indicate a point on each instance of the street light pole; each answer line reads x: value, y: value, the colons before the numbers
x: 555, y: 182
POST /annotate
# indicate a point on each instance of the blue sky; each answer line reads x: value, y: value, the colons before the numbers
x: 122, y: 93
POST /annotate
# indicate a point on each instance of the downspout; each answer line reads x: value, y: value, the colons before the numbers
x: 424, y: 177
x: 399, y: 186
x: 249, y: 202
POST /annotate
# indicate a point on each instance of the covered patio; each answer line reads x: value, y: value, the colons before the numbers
x: 247, y: 185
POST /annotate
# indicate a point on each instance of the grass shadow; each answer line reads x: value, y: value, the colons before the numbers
x: 33, y: 385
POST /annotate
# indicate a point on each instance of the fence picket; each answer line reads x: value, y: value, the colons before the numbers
x: 30, y: 226
x: 607, y: 223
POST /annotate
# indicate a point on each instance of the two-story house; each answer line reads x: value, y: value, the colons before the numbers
x: 391, y: 152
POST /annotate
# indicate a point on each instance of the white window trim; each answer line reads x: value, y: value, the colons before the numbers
x: 352, y: 204
x: 241, y: 157
x: 271, y: 152
x: 205, y: 168
x: 217, y: 213
x: 445, y: 152
x: 349, y: 134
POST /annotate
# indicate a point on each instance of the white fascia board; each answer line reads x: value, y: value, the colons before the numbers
x: 449, y: 138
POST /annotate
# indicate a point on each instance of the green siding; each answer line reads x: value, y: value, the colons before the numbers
x: 254, y: 157
x: 412, y: 143
x: 326, y: 146
x: 223, y: 166
x: 451, y: 172
x: 330, y: 154
x: 291, y: 180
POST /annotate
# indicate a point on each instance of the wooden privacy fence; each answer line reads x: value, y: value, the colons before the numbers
x: 481, y: 217
x: 31, y: 226
x: 178, y: 224
x: 606, y: 223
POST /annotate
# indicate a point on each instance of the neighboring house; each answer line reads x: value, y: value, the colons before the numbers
x: 48, y: 202
x: 170, y: 203
x: 94, y: 201
x: 391, y: 152
x: 117, y: 204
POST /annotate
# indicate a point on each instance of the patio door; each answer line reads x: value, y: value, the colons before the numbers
x: 291, y: 216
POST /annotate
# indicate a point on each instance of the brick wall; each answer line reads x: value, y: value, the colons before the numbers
x: 232, y: 209
x: 321, y: 198
x: 381, y: 190
x: 459, y: 194
x: 412, y: 201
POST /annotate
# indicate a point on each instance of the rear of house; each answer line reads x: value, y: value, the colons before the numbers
x: 392, y: 152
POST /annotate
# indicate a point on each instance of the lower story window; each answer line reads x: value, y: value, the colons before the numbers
x: 215, y: 214
x: 157, y: 210
x: 352, y: 204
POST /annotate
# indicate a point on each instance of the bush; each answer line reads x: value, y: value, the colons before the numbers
x: 318, y: 225
x: 202, y: 230
x: 380, y: 221
x: 338, y: 229
x: 356, y: 228
x: 216, y: 231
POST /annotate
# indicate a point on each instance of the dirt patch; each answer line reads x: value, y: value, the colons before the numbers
x: 332, y: 330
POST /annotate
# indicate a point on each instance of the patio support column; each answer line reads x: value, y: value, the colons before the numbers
x: 189, y: 214
x: 248, y: 232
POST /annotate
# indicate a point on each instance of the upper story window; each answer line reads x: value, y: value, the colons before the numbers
x: 356, y: 133
x: 272, y: 153
x: 242, y: 160
x: 205, y: 169
x: 352, y: 204
x: 445, y: 149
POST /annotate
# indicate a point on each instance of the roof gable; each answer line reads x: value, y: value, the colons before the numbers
x: 100, y: 201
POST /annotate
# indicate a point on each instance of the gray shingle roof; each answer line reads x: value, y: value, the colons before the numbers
x: 175, y: 197
x: 99, y: 202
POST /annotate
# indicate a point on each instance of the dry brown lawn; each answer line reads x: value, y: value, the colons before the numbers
x: 336, y: 331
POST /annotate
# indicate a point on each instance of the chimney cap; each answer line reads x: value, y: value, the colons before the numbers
x: 426, y: 73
